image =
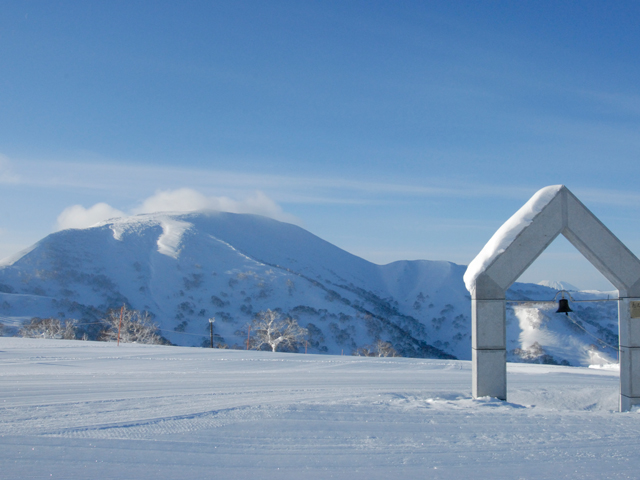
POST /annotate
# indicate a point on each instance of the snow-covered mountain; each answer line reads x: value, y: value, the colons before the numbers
x: 559, y: 285
x: 187, y: 268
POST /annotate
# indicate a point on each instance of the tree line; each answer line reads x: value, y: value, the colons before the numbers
x: 123, y: 324
x: 269, y: 330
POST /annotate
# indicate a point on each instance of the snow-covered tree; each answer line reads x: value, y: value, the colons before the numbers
x: 385, y: 349
x: 378, y: 349
x: 268, y: 329
x: 49, y: 328
x: 135, y: 327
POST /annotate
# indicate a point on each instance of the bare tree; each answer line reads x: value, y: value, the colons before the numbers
x: 134, y: 326
x: 268, y: 329
x: 385, y: 349
x: 378, y: 349
x: 49, y: 328
x: 366, y: 351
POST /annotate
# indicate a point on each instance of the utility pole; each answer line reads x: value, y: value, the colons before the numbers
x: 120, y: 324
x: 211, y: 320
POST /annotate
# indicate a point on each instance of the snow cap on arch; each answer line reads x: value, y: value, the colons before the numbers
x: 521, y: 239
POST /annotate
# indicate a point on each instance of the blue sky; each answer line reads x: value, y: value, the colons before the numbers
x: 395, y: 130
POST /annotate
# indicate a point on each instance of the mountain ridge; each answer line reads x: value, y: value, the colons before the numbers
x: 185, y: 268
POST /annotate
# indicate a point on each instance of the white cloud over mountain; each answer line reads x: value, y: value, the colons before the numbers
x: 77, y: 216
x: 179, y: 200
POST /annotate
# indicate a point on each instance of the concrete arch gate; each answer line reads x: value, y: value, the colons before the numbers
x: 513, y: 248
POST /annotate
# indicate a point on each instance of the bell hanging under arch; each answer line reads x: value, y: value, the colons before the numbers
x: 563, y: 306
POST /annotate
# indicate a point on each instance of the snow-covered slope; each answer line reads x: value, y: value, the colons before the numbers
x: 536, y: 333
x: 187, y: 268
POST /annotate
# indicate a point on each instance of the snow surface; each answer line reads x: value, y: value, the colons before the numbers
x: 72, y: 409
x: 507, y: 233
x: 169, y: 240
x: 172, y: 232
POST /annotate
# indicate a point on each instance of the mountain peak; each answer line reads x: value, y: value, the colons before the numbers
x: 559, y: 285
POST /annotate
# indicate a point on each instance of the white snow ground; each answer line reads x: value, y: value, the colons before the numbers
x: 76, y: 410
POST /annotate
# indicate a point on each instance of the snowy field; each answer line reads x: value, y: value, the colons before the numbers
x: 76, y: 410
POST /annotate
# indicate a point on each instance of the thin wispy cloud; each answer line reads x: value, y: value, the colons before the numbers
x: 7, y: 174
x: 236, y: 191
x: 608, y: 197
x: 617, y: 103
x: 132, y: 181
x: 305, y: 189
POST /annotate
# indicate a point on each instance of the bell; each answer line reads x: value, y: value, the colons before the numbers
x: 563, y: 306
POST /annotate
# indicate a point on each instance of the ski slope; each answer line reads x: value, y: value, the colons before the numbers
x: 72, y: 409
